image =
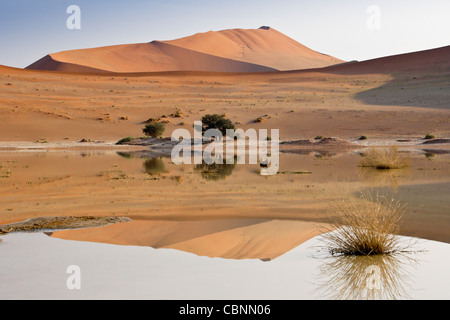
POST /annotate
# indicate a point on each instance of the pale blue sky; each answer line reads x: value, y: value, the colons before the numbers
x: 30, y: 29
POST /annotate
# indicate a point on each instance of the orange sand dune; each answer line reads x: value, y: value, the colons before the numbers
x: 143, y: 57
x: 432, y: 60
x: 266, y: 47
x: 235, y: 50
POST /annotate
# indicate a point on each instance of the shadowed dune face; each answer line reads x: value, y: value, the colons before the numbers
x: 431, y: 60
x: 48, y: 63
x: 235, y: 50
x: 418, y: 79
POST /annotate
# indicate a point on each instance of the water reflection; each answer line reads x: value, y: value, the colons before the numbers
x: 154, y: 166
x: 379, y: 277
x: 388, y: 178
x: 215, y: 171
x: 232, y: 238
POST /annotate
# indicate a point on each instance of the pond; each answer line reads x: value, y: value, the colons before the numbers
x: 226, y: 228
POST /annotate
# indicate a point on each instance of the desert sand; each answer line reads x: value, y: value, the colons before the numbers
x: 343, y: 101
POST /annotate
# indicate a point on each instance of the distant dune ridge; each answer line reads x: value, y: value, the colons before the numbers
x: 235, y: 50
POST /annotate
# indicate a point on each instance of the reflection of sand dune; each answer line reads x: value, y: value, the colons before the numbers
x: 231, y: 239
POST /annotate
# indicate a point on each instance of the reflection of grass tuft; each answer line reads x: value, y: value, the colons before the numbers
x: 384, y: 158
x: 388, y: 178
x: 154, y: 166
x: 365, y: 227
x: 366, y: 277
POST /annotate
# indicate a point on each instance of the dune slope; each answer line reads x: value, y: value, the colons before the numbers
x: 437, y: 59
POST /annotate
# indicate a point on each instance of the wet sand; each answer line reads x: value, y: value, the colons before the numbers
x: 53, y: 223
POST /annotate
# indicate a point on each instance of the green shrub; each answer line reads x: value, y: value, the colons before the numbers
x: 155, y: 129
x: 215, y: 121
x: 125, y: 140
x: 430, y: 136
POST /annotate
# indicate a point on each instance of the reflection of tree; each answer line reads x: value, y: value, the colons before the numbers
x: 215, y: 171
x: 377, y: 277
x: 154, y: 166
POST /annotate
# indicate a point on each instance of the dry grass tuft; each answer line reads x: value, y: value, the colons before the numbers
x: 384, y: 158
x: 365, y: 227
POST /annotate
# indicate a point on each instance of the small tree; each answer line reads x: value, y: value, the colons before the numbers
x: 215, y: 121
x: 155, y: 129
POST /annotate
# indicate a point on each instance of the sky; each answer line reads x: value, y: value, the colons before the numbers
x: 348, y: 30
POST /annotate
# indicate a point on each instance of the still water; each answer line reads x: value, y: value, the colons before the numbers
x: 217, y: 231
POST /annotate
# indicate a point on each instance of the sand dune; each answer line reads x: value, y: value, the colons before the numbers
x: 433, y: 60
x: 235, y: 50
x: 262, y: 46
x: 145, y: 57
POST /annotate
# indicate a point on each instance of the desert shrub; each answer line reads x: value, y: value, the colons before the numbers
x: 363, y: 137
x: 384, y: 158
x: 151, y: 120
x: 177, y: 114
x: 366, y: 227
x: 318, y: 137
x: 215, y: 121
x: 125, y: 140
x: 155, y: 129
x: 430, y: 136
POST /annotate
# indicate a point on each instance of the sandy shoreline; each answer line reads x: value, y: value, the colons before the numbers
x: 412, y: 144
x: 63, y: 145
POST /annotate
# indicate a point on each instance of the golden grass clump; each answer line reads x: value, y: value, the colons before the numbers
x: 384, y: 158
x: 365, y: 227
